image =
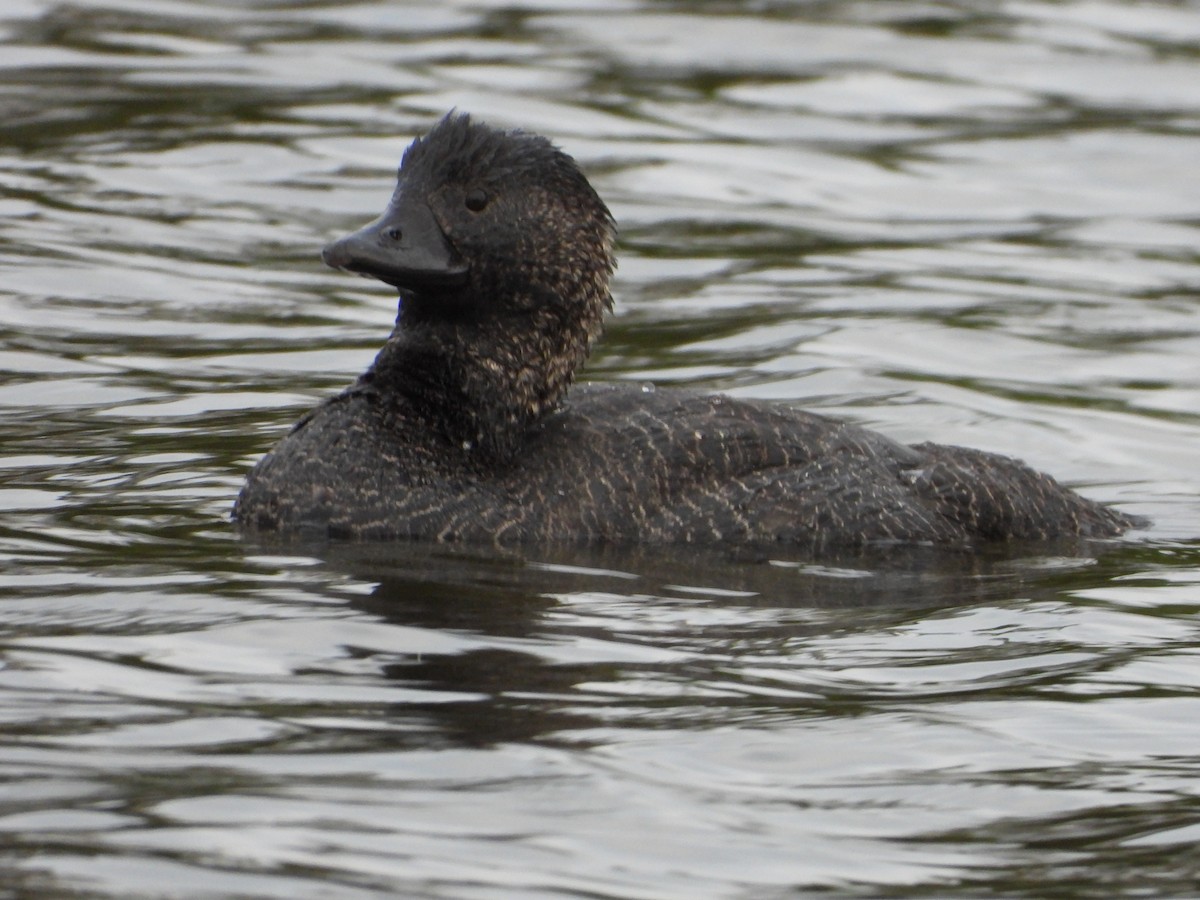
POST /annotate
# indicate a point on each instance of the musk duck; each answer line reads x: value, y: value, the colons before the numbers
x: 466, y: 426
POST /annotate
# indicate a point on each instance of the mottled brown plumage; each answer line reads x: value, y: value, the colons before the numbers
x: 462, y: 429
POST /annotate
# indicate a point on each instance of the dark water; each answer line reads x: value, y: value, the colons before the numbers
x: 966, y: 222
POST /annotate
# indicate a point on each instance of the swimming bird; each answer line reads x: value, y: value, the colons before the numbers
x: 466, y: 426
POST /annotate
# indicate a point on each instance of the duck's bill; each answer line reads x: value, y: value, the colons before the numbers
x: 404, y: 248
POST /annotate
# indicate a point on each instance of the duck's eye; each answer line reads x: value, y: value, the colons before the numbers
x: 476, y: 200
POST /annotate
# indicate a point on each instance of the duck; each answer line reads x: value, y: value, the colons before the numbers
x: 468, y: 426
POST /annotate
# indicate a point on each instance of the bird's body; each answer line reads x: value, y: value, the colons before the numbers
x: 621, y: 464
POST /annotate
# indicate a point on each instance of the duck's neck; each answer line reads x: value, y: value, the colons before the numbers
x: 483, y: 383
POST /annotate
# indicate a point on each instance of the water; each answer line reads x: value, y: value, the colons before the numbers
x: 971, y: 223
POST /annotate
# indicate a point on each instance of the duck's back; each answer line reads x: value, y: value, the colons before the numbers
x: 621, y: 464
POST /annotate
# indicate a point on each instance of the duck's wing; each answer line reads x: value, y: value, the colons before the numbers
x: 683, y: 466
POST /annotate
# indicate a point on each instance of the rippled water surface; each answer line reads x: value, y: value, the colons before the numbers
x: 975, y: 223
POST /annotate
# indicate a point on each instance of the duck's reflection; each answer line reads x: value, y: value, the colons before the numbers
x: 559, y: 638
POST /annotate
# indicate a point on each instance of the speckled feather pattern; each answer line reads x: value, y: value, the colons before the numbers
x: 463, y: 428
x: 618, y: 464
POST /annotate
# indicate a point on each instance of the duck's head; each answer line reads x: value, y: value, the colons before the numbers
x: 486, y: 223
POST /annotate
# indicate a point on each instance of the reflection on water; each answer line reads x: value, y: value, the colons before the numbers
x: 968, y: 224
